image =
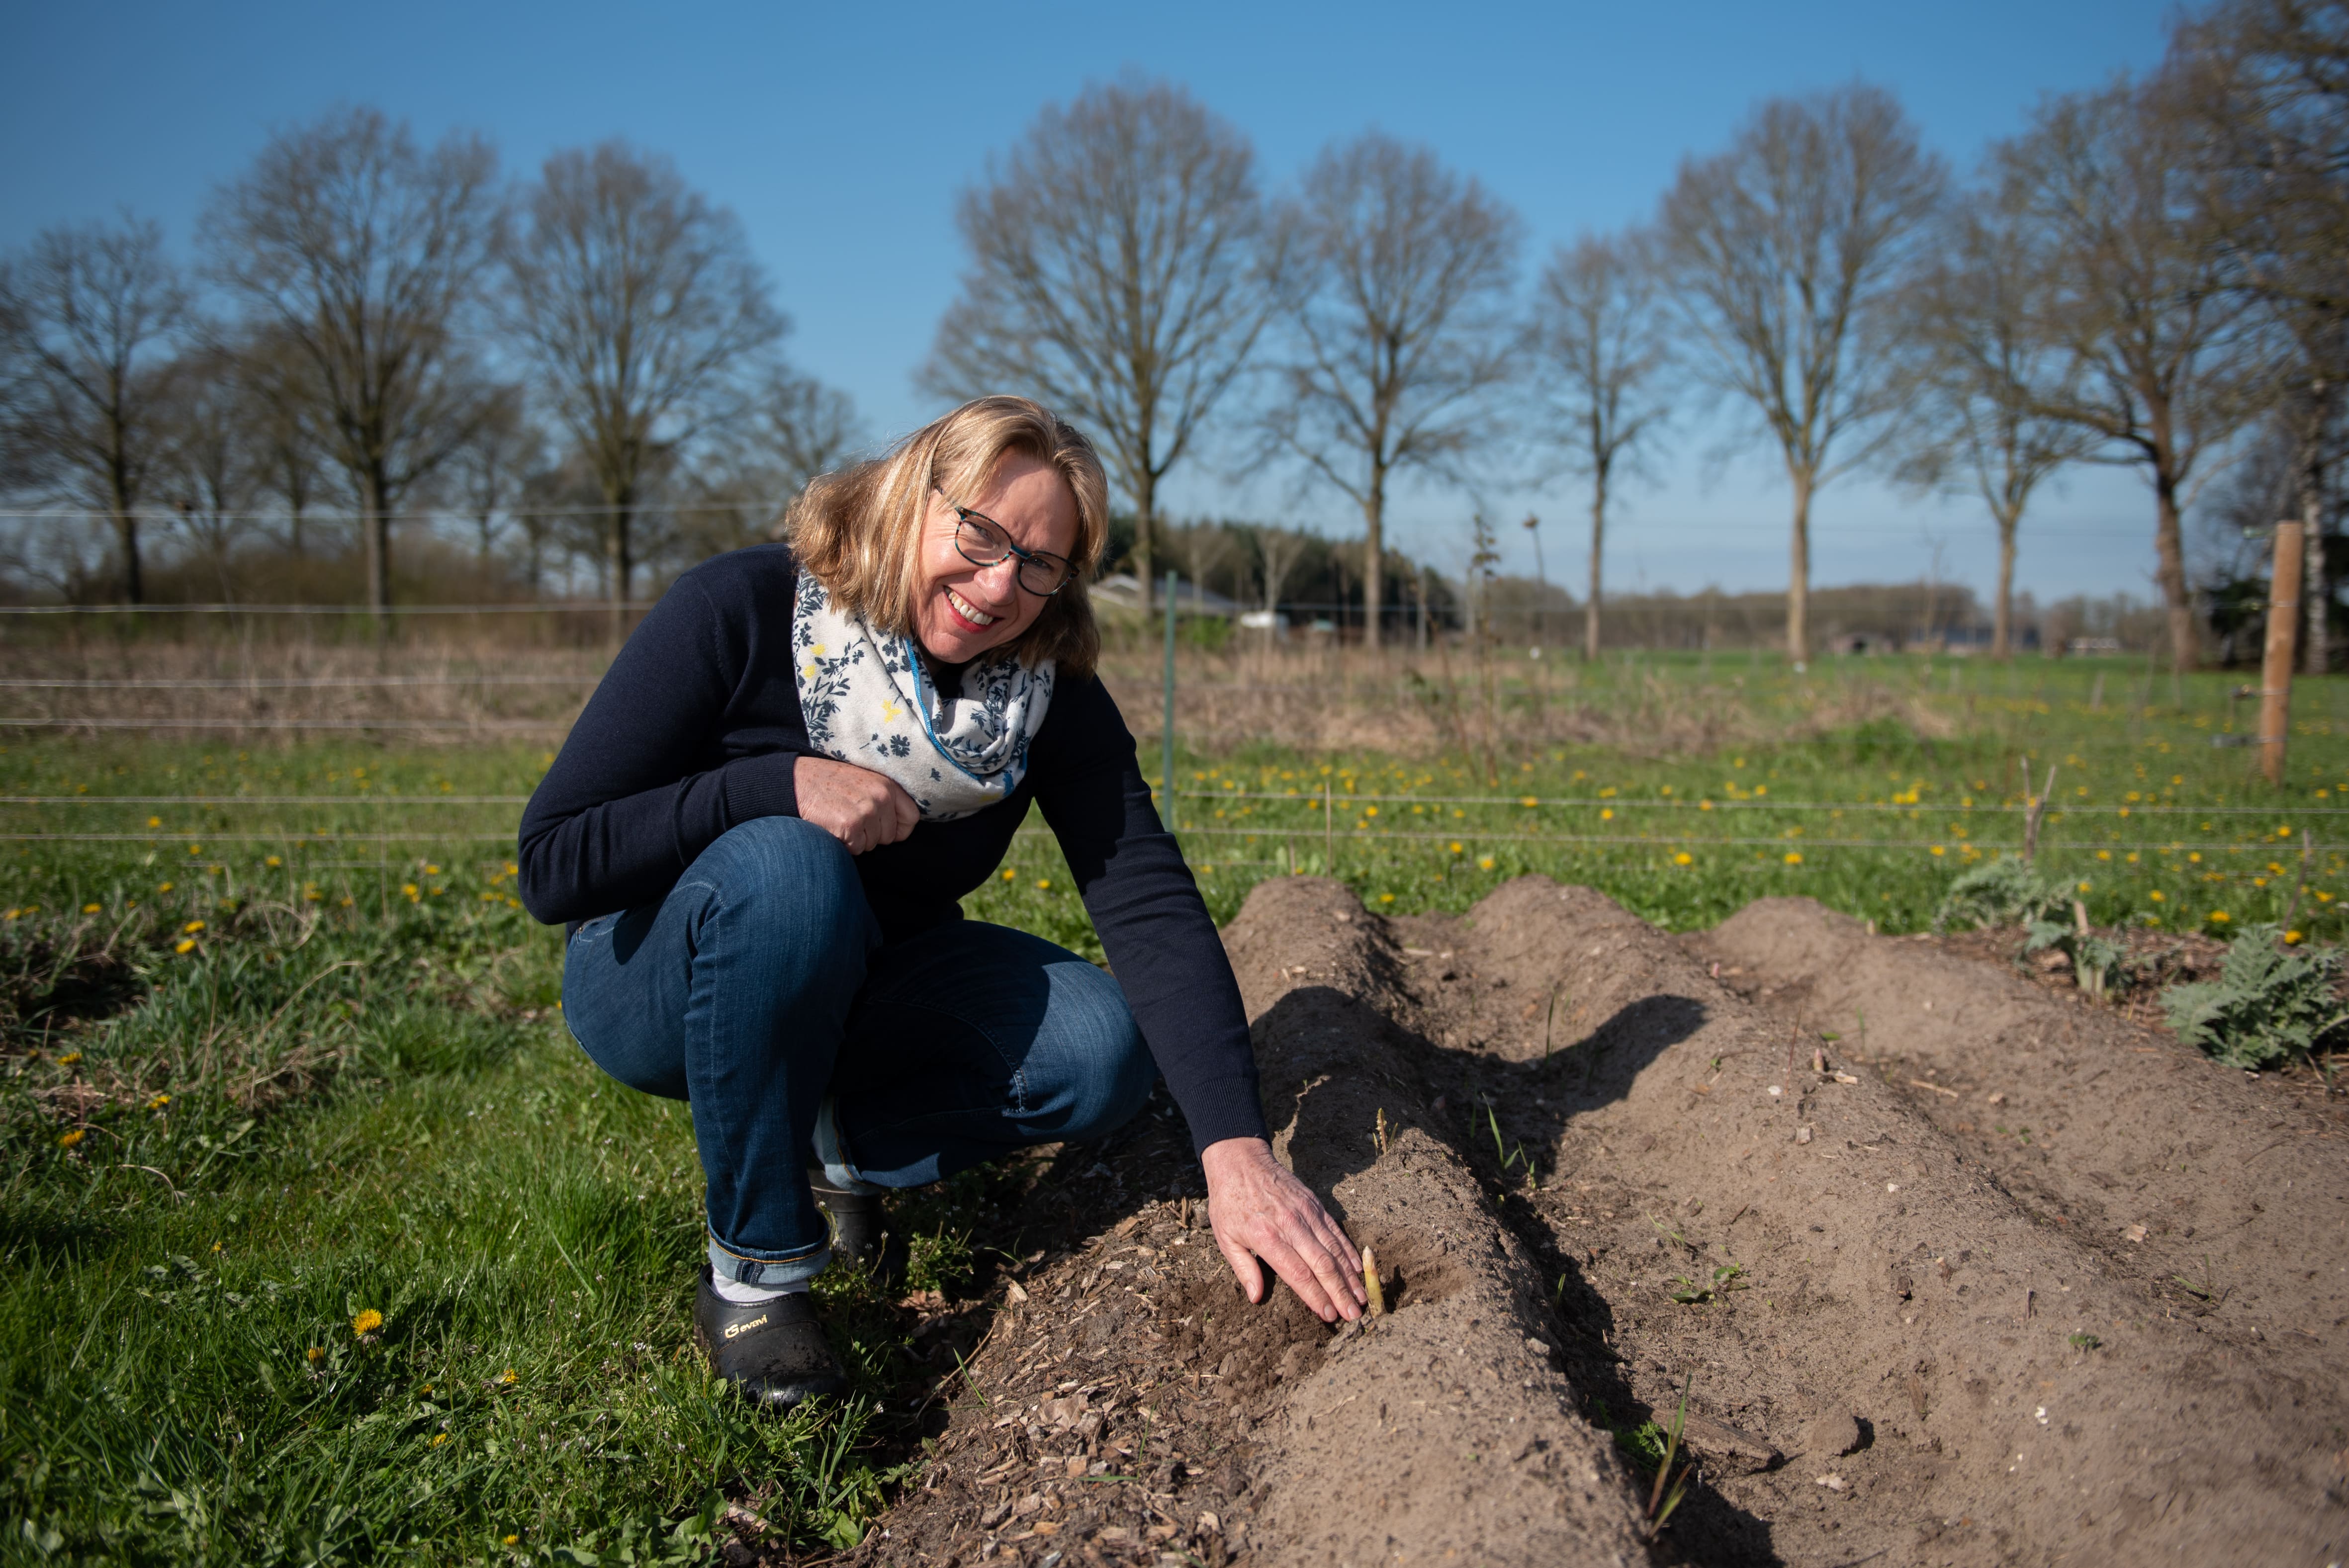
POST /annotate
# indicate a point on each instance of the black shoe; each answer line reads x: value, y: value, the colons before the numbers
x: 860, y: 1230
x: 774, y: 1352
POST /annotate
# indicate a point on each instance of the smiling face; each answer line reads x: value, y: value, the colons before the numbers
x: 960, y: 610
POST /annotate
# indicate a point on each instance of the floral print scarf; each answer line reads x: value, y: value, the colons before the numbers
x: 868, y: 700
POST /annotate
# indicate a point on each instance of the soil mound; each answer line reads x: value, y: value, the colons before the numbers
x: 1597, y: 1178
x: 2179, y: 1172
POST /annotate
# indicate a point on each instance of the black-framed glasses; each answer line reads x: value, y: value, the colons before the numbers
x: 981, y: 540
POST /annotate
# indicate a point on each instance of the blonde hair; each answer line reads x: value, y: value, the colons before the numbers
x: 858, y: 531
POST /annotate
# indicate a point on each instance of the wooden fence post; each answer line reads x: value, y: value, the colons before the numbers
x: 2283, y: 627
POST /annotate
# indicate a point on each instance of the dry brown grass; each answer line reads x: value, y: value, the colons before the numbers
x: 454, y: 683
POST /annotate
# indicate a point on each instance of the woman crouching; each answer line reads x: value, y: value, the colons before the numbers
x: 759, y: 828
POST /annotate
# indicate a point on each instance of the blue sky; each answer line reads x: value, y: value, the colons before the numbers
x: 840, y: 134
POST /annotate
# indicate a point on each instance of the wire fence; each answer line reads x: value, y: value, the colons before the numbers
x: 1320, y: 822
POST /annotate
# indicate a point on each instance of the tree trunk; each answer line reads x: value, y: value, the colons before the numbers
x: 125, y: 530
x: 2001, y: 635
x: 2315, y: 591
x: 1798, y: 574
x: 375, y: 521
x: 2170, y: 554
x: 1145, y: 533
x: 1374, y: 558
x: 1598, y: 548
x: 621, y: 564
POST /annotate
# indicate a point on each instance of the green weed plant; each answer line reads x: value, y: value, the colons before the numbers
x: 2271, y: 1004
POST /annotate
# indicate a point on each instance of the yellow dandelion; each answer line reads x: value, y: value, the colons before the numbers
x: 366, y: 1322
x: 432, y: 870
x: 1607, y: 814
x: 1043, y: 885
x: 159, y: 1102
x: 1486, y: 863
x: 1529, y: 801
x: 2083, y: 887
x: 439, y: 1437
x: 2220, y: 917
x: 2157, y: 895
x: 314, y: 1355
x: 511, y: 1376
x: 512, y: 1540
x: 1683, y: 859
x: 68, y: 1059
x: 1939, y: 850
x: 89, y: 909
x: 163, y: 887
x: 1794, y: 857
x: 2284, y: 832
x: 1369, y: 810
x: 67, y: 1140
x: 154, y: 821
x: 1009, y: 875
x: 192, y: 927
x: 184, y: 946
x: 1455, y: 846
x: 2292, y: 936
x: 2104, y: 854
x: 410, y: 888
x: 1386, y: 898
x: 1705, y: 805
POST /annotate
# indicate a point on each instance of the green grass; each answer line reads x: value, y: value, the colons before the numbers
x: 347, y: 1091
x: 318, y: 1112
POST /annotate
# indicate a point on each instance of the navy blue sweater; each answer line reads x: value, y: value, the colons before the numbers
x: 697, y: 727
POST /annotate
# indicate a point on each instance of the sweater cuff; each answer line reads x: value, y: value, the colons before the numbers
x: 765, y: 786
x: 1233, y: 1115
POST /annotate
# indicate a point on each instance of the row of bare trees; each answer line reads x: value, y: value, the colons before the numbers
x: 376, y: 324
x: 2154, y: 273
x: 2147, y: 276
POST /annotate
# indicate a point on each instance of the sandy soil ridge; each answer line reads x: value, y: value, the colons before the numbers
x: 2019, y: 1397
x: 1598, y: 1175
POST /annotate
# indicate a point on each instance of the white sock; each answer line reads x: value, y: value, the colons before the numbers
x: 735, y: 1292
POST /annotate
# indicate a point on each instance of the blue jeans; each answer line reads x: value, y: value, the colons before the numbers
x: 760, y: 984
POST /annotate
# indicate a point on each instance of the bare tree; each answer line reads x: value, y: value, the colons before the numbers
x: 486, y: 475
x: 1977, y: 325
x: 209, y: 472
x: 289, y: 461
x: 363, y: 253
x: 1397, y: 325
x: 2267, y: 85
x: 642, y: 311
x: 1783, y: 253
x: 1118, y: 272
x: 1602, y: 355
x: 799, y: 427
x: 2171, y: 364
x: 1277, y: 552
x: 84, y: 312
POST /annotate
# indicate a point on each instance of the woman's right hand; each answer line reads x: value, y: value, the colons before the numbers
x: 854, y: 805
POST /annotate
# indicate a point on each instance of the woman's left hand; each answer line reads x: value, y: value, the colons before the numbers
x: 1260, y: 1211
